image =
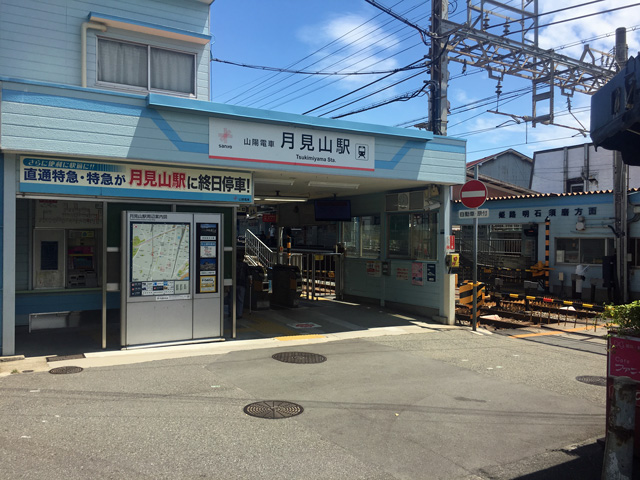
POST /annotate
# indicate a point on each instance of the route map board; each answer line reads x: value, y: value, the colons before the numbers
x: 160, y: 258
x: 172, y: 272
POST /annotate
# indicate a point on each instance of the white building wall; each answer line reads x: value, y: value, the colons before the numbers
x: 552, y: 168
x: 41, y: 39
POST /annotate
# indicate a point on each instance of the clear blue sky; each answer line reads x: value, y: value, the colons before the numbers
x: 351, y: 35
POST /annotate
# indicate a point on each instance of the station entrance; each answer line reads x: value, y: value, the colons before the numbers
x: 94, y: 275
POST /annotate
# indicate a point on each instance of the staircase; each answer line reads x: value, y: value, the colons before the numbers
x: 256, y: 252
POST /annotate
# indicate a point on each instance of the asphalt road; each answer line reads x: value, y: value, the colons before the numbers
x: 438, y: 404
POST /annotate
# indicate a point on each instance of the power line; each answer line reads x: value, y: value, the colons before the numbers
x: 353, y: 91
x: 264, y: 87
x: 374, y: 93
x: 519, y: 144
x: 548, y: 13
x: 304, y: 72
x: 581, y: 17
x: 398, y: 98
x: 333, y: 81
x: 313, y: 53
x: 266, y: 95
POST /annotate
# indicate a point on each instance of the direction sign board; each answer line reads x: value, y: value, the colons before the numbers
x: 473, y: 194
x: 475, y: 213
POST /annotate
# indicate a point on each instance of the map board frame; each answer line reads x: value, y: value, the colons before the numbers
x: 172, y: 276
x: 165, y: 245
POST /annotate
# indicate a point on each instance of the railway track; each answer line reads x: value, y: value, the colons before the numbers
x: 518, y: 311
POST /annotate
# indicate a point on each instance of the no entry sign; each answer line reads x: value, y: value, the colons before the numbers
x: 473, y: 194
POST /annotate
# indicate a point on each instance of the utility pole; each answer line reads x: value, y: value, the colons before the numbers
x: 439, y: 68
x: 620, y: 188
x: 503, y: 40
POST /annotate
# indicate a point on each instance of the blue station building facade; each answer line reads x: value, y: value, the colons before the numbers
x: 104, y: 112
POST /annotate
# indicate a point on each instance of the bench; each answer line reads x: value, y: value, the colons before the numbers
x: 40, y: 321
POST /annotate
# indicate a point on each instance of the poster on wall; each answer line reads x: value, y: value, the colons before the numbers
x: 416, y: 273
x: 207, y: 238
x: 431, y: 272
x: 68, y: 214
x: 44, y: 175
x: 402, y: 273
x: 374, y: 268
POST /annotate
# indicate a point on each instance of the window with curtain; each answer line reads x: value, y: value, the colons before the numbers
x: 145, y: 67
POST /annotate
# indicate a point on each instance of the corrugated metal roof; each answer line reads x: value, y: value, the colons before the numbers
x: 555, y: 195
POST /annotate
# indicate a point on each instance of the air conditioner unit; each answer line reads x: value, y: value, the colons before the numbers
x: 397, y: 201
x: 403, y: 201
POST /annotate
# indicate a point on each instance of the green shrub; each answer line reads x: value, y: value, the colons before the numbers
x: 626, y: 318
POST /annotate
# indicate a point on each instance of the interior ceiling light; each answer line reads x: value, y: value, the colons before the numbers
x: 348, y: 186
x: 280, y: 198
x: 273, y: 181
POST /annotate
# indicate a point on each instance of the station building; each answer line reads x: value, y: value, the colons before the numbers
x: 121, y: 181
x: 572, y: 187
x: 581, y: 241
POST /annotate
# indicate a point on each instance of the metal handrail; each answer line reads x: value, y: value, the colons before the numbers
x: 255, y: 248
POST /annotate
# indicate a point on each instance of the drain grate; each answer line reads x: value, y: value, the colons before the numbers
x: 299, y: 357
x: 64, y: 370
x: 273, y: 409
x: 57, y: 358
x: 593, y: 380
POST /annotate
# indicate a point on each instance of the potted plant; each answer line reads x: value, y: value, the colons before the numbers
x: 624, y: 320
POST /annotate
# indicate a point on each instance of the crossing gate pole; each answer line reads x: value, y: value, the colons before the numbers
x: 546, y: 254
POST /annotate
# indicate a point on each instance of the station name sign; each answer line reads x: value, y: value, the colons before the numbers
x: 289, y: 145
x: 134, y: 180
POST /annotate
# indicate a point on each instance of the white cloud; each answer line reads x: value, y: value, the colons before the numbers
x: 587, y: 28
x: 355, y: 44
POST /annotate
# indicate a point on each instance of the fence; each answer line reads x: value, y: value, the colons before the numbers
x: 322, y: 272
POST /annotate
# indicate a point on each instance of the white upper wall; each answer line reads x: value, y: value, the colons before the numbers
x: 40, y: 39
x: 552, y: 169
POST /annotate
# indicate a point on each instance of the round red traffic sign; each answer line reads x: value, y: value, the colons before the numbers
x: 473, y: 194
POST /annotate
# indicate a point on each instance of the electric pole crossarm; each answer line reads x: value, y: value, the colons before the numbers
x: 506, y: 56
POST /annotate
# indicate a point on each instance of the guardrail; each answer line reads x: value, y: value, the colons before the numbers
x: 322, y: 273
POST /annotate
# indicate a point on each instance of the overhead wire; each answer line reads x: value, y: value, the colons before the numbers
x: 369, y: 95
x: 264, y: 88
x: 323, y: 73
x: 272, y: 102
x: 326, y: 84
x: 557, y: 22
x: 262, y: 81
x: 402, y: 97
x: 553, y: 23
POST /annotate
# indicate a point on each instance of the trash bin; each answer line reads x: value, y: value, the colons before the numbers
x: 259, y: 288
x: 286, y: 285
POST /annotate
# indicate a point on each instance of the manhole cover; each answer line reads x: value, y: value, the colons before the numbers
x: 593, y: 380
x: 273, y: 409
x: 299, y: 357
x: 63, y: 370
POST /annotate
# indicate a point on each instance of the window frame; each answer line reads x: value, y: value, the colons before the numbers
x: 148, y: 89
x: 580, y: 250
x: 433, y: 219
x: 359, y: 224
